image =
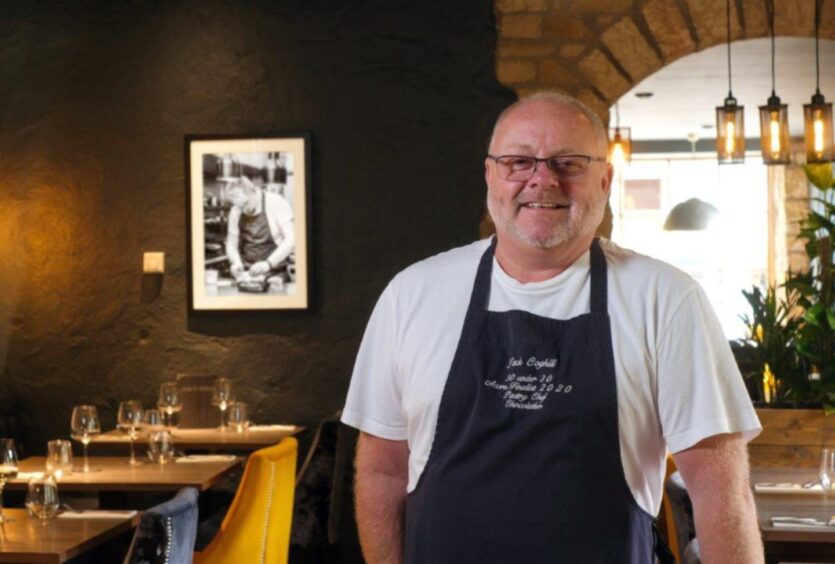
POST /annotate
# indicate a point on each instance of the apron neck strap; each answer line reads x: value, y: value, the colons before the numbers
x: 480, y: 297
x: 598, y: 278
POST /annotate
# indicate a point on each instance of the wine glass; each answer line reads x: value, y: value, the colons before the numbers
x: 84, y: 425
x: 169, y: 401
x: 42, y: 497
x: 128, y: 419
x: 222, y: 396
x: 825, y: 475
x: 8, y: 469
x: 58, y: 458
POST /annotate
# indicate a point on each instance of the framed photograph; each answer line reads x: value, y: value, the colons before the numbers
x: 249, y: 222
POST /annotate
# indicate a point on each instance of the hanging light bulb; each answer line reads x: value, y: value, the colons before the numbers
x: 774, y: 116
x: 620, y: 143
x: 730, y: 117
x: 817, y: 115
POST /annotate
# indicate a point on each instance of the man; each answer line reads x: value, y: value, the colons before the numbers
x: 261, y: 230
x: 516, y: 397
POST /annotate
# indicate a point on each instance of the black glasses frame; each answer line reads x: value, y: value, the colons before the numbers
x: 547, y: 160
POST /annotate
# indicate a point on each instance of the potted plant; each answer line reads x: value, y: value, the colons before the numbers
x: 792, y: 340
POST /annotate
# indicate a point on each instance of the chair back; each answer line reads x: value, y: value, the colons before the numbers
x: 166, y: 532
x: 667, y: 513
x: 196, y: 396
x: 256, y: 528
x: 682, y: 512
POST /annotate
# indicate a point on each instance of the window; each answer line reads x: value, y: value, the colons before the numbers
x: 731, y: 255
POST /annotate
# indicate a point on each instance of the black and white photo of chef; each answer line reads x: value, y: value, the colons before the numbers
x: 250, y: 223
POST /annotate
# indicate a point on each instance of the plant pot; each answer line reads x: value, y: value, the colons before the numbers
x: 792, y: 437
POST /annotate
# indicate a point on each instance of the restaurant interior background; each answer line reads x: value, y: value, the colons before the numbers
x: 399, y: 97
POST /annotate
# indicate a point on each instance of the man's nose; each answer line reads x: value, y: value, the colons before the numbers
x: 542, y: 174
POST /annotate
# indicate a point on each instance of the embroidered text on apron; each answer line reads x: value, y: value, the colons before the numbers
x: 256, y: 239
x: 525, y: 464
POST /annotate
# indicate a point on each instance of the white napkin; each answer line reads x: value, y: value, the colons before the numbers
x: 206, y: 458
x: 29, y: 475
x: 97, y: 514
x: 786, y: 487
x: 272, y: 427
x: 802, y: 522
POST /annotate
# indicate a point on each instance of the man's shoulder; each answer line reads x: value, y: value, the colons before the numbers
x: 443, y: 268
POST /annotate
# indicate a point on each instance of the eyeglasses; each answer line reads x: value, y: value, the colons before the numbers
x: 518, y: 168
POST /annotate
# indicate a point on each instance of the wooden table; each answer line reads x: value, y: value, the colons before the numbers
x: 28, y: 540
x: 794, y: 543
x: 208, y: 439
x: 114, y: 474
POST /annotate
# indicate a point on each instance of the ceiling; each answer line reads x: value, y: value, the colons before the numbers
x: 687, y: 91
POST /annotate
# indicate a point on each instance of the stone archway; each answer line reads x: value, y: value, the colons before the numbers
x: 597, y: 50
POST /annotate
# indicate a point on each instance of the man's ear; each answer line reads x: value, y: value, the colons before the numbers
x: 606, y: 181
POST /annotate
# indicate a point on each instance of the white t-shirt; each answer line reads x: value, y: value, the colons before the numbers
x: 677, y: 381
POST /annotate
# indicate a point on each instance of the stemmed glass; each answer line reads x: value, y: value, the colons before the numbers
x: 129, y: 419
x: 222, y: 396
x: 8, y: 469
x: 58, y: 458
x: 826, y: 475
x: 84, y: 426
x: 169, y: 401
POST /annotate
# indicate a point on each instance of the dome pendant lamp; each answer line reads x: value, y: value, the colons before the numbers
x: 730, y: 118
x: 774, y: 116
x: 817, y: 116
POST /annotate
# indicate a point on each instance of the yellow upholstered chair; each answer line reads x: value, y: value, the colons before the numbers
x: 667, y: 509
x: 256, y: 528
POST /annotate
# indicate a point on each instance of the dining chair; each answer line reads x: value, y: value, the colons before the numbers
x: 166, y: 532
x: 681, y: 516
x: 667, y: 510
x: 256, y: 528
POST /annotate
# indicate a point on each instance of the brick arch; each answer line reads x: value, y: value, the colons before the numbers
x: 597, y: 50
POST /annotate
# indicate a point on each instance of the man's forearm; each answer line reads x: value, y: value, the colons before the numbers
x: 727, y: 528
x: 717, y: 477
x: 381, y: 514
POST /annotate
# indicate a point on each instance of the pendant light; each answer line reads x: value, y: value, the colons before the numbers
x: 774, y: 116
x: 730, y: 122
x: 620, y: 143
x: 817, y: 116
x: 692, y: 215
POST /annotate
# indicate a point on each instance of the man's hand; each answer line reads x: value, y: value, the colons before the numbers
x: 237, y: 270
x: 260, y: 268
x: 380, y: 489
x: 717, y: 477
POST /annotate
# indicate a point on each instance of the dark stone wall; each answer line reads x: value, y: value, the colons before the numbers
x: 95, y: 100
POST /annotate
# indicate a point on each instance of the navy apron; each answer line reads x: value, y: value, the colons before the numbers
x: 257, y: 242
x: 525, y: 464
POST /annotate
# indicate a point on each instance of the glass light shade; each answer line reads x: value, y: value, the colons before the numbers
x: 730, y: 132
x: 620, y: 146
x: 817, y: 118
x: 774, y: 132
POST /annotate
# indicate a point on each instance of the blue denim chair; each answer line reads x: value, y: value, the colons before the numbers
x: 166, y: 532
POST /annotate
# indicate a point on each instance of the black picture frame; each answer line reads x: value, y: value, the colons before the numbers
x: 249, y: 202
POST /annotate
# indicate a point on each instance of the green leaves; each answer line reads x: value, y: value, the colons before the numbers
x: 820, y: 175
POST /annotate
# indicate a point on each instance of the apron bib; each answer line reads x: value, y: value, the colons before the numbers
x: 525, y: 464
x: 256, y: 239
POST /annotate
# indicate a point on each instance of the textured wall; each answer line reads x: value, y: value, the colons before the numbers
x: 95, y: 98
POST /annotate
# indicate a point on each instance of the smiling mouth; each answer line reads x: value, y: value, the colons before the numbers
x: 544, y: 206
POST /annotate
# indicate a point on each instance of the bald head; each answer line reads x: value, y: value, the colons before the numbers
x: 560, y: 102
